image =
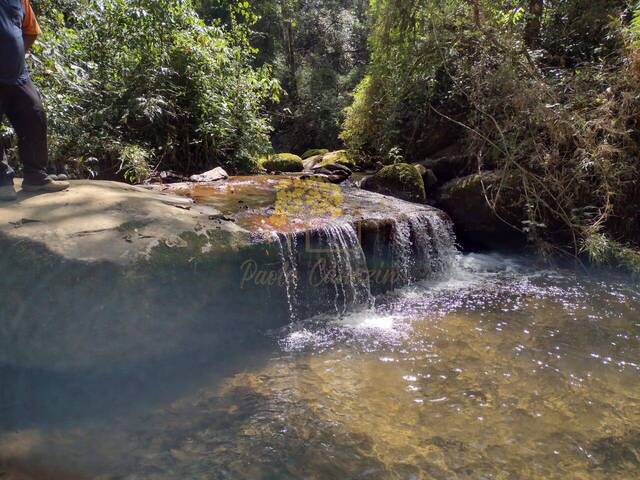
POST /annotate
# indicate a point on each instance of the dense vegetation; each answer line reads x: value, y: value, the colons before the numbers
x: 140, y: 83
x: 546, y: 92
x: 318, y: 51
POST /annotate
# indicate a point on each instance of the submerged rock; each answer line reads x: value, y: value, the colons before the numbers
x: 400, y: 180
x: 213, y: 175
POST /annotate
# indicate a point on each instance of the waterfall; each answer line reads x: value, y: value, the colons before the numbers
x: 287, y: 245
x: 346, y: 266
x: 422, y: 244
x: 328, y: 269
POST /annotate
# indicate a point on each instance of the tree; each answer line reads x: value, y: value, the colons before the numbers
x: 148, y: 81
x: 533, y: 24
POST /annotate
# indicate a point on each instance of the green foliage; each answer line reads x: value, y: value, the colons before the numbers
x: 363, y: 124
x: 313, y: 152
x: 318, y: 50
x: 633, y: 31
x: 134, y: 163
x: 283, y: 162
x: 413, y: 45
x: 558, y: 123
x: 603, y: 251
x: 150, y: 73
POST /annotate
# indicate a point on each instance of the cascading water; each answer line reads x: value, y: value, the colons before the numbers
x: 422, y: 244
x: 328, y: 269
x: 346, y: 266
x: 331, y: 269
x: 287, y: 245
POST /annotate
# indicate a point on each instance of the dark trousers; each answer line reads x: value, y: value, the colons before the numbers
x: 23, y: 107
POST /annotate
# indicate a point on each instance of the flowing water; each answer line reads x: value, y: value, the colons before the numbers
x: 497, y: 368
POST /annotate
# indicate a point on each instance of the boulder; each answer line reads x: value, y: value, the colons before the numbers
x: 429, y: 178
x: 309, y: 163
x: 283, y: 162
x: 341, y: 157
x: 314, y: 152
x: 325, y: 177
x: 477, y: 224
x: 449, y: 163
x: 213, y: 175
x: 448, y: 167
x: 400, y: 180
x: 335, y: 168
x: 108, y: 276
x: 165, y: 177
x: 111, y: 274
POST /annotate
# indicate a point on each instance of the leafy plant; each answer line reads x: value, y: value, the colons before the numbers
x: 134, y: 163
x: 153, y: 73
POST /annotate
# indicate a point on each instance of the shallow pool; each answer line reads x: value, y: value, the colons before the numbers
x: 499, y: 369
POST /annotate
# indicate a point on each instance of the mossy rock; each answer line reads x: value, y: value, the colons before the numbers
x: 313, y: 152
x: 341, y: 157
x: 477, y: 224
x: 283, y: 162
x: 400, y: 180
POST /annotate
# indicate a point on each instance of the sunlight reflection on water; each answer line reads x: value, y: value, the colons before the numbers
x: 496, y: 370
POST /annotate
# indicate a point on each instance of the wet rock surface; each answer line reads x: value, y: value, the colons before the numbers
x: 213, y: 175
x: 110, y: 274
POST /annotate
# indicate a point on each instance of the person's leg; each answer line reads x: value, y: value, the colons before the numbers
x: 27, y: 116
x: 6, y: 172
x: 7, y: 190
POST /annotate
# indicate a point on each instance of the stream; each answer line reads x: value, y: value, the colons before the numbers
x: 495, y: 368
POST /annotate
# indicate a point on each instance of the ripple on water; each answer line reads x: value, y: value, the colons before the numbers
x: 498, y: 370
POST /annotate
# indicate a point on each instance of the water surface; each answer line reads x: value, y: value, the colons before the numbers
x: 499, y: 369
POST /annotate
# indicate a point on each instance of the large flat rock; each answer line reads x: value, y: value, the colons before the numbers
x: 109, y: 275
x: 109, y: 221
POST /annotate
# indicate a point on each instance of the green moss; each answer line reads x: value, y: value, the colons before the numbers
x: 313, y: 152
x: 283, y: 162
x: 400, y: 180
x: 341, y: 157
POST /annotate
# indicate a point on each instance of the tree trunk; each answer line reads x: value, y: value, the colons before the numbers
x: 534, y: 24
x: 286, y: 25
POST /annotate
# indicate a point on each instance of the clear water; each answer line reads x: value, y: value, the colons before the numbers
x: 500, y: 369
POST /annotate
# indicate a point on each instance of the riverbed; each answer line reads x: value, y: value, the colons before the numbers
x: 498, y: 368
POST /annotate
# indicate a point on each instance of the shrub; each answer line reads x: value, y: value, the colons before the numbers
x: 283, y: 162
x: 558, y: 124
x: 150, y: 73
x: 602, y: 250
x: 134, y: 163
